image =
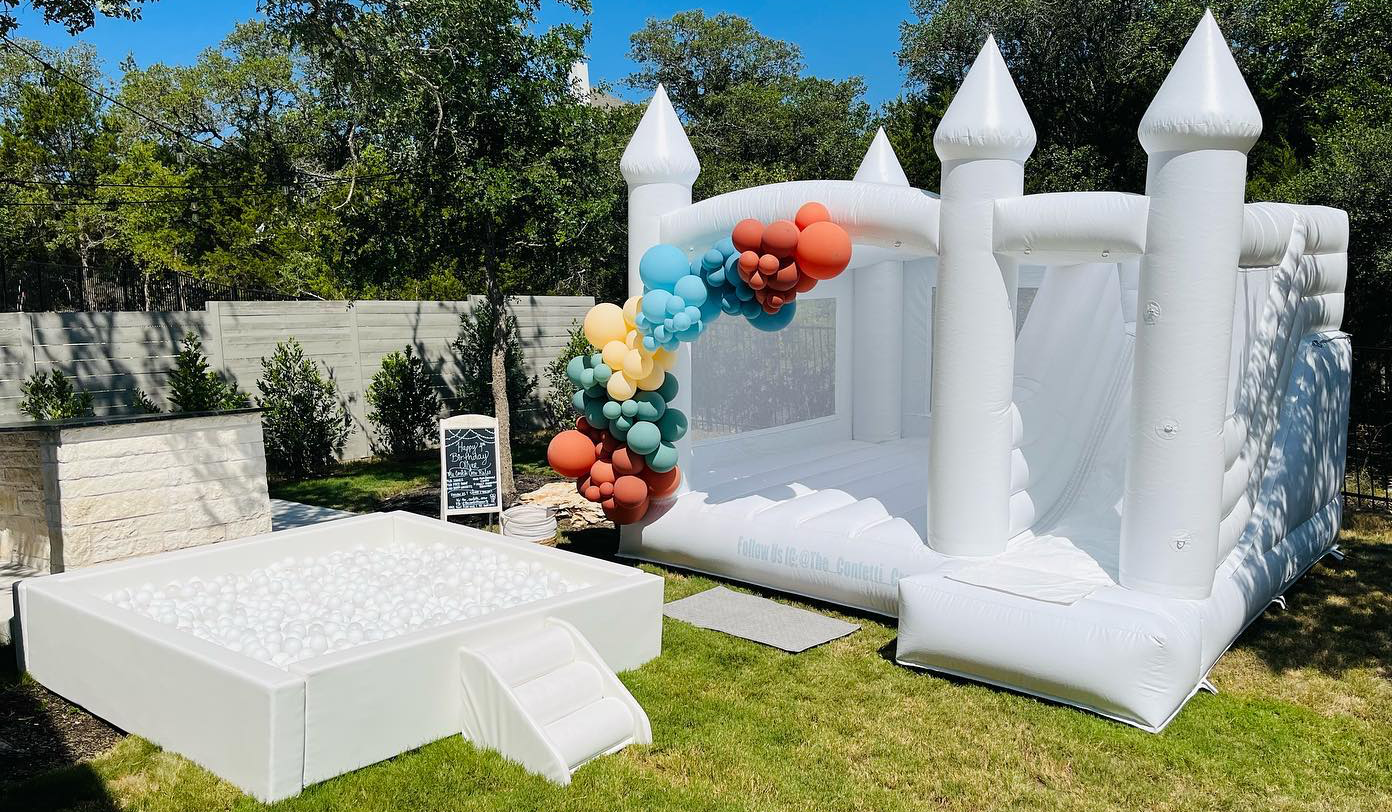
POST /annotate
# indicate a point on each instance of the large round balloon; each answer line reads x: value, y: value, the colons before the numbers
x: 772, y: 322
x: 644, y: 438
x: 630, y: 491
x: 823, y: 250
x: 662, y: 484
x: 662, y: 265
x: 571, y: 454
x: 604, y: 323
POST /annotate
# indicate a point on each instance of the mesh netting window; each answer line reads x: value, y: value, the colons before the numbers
x: 744, y: 379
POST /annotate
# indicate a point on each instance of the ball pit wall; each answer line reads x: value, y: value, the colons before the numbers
x: 271, y: 731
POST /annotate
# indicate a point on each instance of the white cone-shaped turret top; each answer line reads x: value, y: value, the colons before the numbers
x: 987, y: 118
x: 880, y: 164
x: 1204, y: 102
x: 659, y: 151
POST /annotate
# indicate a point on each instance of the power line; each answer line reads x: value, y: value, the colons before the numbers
x: 194, y: 188
x: 143, y: 117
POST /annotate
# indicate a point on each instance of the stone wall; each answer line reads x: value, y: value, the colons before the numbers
x: 23, y: 519
x: 132, y: 488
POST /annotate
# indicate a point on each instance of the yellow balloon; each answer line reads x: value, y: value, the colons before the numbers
x: 620, y: 387
x: 654, y: 381
x: 634, y: 340
x: 630, y: 310
x: 665, y: 359
x: 637, y: 366
x: 614, y: 353
x: 604, y: 323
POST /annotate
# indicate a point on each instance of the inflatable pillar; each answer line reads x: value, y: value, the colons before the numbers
x: 878, y: 321
x: 1196, y: 133
x: 660, y: 166
x: 983, y: 141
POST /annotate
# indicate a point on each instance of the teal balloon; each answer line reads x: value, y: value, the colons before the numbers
x: 651, y: 405
x: 712, y: 259
x: 644, y: 438
x: 587, y: 378
x: 612, y: 409
x: 710, y: 311
x: 594, y: 412
x: 602, y: 374
x: 578, y: 401
x: 596, y: 359
x: 624, y: 422
x: 691, y: 290
x: 630, y: 408
x: 751, y: 309
x: 661, y: 459
x: 655, y: 305
x: 673, y: 425
x: 662, y: 265
x: 620, y: 433
x: 599, y: 426
x: 668, y: 389
x: 574, y: 368
x: 775, y: 321
x: 597, y: 392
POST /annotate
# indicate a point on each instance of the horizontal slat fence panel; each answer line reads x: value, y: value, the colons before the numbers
x: 110, y: 354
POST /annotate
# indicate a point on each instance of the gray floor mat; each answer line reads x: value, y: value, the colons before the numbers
x: 758, y: 619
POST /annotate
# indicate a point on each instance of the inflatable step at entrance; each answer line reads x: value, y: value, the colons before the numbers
x: 547, y: 701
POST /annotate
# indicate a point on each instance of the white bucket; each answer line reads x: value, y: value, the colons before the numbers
x: 532, y: 523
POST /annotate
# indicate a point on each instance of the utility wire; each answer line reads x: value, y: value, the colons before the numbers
x: 192, y: 188
x: 143, y: 117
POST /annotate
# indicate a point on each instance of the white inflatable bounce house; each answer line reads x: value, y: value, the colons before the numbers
x: 1074, y: 442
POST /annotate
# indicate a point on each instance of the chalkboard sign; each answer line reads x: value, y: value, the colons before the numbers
x: 469, y: 481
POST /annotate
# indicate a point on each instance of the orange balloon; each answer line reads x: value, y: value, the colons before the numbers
x: 587, y: 489
x: 570, y: 454
x: 626, y: 462
x: 621, y: 515
x: 768, y: 264
x: 662, y: 484
x: 608, y: 445
x: 786, y: 277
x: 602, y: 472
x: 804, y: 283
x: 606, y: 489
x: 769, y: 307
x: 823, y: 250
x: 811, y: 213
x: 630, y: 492
x: 780, y: 238
x: 748, y: 261
x: 756, y: 281
x: 747, y: 235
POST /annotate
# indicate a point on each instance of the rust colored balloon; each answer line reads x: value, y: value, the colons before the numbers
x: 622, y: 515
x: 780, y: 238
x: 804, y: 283
x: 662, y: 484
x: 602, y: 472
x: 811, y: 213
x: 606, y: 489
x: 768, y: 264
x: 583, y: 426
x: 630, y: 491
x: 756, y: 281
x: 570, y: 454
x: 608, y: 445
x: 627, y: 463
x: 823, y: 250
x: 588, y: 489
x: 786, y: 278
x: 769, y: 307
x: 749, y: 261
x: 747, y: 235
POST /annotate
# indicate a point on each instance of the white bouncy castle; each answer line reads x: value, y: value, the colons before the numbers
x: 1075, y: 442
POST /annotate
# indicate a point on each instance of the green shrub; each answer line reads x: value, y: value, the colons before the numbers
x: 304, y: 423
x: 404, y: 404
x: 194, y: 387
x: 475, y: 346
x: 559, y: 411
x: 139, y: 403
x: 52, y: 397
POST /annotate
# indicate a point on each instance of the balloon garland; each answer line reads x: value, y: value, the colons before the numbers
x: 622, y: 452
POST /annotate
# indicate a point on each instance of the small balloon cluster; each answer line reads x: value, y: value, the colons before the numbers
x: 622, y: 452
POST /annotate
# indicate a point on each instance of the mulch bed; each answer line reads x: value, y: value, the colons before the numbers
x: 41, y: 731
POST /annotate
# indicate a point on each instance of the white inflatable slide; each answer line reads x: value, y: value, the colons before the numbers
x: 1074, y: 442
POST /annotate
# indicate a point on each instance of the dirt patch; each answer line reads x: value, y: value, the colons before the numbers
x: 41, y: 731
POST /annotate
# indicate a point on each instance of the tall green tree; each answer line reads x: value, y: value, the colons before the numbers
x: 751, y: 114
x: 74, y: 15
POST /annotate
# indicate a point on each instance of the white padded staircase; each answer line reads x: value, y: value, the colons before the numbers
x: 548, y: 702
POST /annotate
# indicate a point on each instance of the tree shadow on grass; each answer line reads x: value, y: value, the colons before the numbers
x: 1339, y: 616
x: 43, y: 741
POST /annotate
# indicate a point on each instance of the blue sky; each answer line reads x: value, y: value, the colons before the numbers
x: 838, y: 39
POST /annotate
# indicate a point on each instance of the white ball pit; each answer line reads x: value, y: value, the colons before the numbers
x: 285, y: 659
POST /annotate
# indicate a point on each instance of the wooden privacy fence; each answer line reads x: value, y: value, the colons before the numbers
x: 111, y: 354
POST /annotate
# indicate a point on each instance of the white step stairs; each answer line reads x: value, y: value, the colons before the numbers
x: 548, y: 702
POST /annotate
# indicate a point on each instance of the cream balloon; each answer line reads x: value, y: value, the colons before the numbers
x: 634, y: 340
x: 637, y: 365
x: 614, y: 353
x: 654, y: 381
x: 605, y: 323
x: 630, y: 311
x: 620, y: 387
x: 665, y: 359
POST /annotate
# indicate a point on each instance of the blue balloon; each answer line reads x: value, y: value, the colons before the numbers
x: 713, y: 259
x: 751, y: 309
x: 691, y: 333
x: 776, y: 321
x: 692, y: 291
x: 676, y: 304
x: 715, y: 280
x: 681, y: 322
x: 649, y: 343
x: 640, y: 320
x: 711, y: 309
x: 726, y: 246
x: 660, y: 333
x: 655, y: 305
x: 662, y: 265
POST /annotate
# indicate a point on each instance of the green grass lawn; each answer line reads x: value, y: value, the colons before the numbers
x: 1303, y: 721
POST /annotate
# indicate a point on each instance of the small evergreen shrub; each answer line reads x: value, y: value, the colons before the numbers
x: 403, y: 405
x: 194, y: 387
x: 475, y: 346
x: 52, y: 397
x: 559, y: 411
x: 305, y: 424
x: 140, y: 403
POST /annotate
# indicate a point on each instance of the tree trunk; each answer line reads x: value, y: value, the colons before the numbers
x: 501, y: 406
x: 84, y: 261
